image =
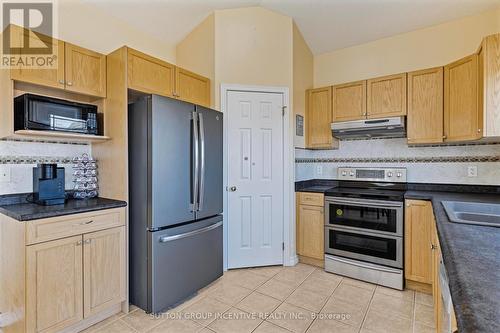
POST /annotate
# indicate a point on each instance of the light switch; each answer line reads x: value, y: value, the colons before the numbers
x: 4, y: 173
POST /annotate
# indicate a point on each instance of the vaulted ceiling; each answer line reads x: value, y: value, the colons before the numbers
x: 327, y: 25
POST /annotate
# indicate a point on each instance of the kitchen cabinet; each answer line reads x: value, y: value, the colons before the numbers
x: 319, y: 118
x: 54, y: 298
x: 310, y: 226
x: 65, y: 273
x: 418, y: 224
x: 45, y: 77
x: 84, y: 71
x: 150, y: 75
x: 425, y: 106
x: 386, y: 96
x: 436, y: 288
x: 104, y: 261
x: 192, y: 87
x: 349, y: 101
x: 463, y: 119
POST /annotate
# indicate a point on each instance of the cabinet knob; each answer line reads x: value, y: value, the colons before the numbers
x: 61, y: 81
x: 433, y: 247
x: 479, y: 130
x: 79, y: 242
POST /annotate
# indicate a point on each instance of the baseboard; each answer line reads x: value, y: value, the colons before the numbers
x: 292, y: 261
x: 312, y: 261
x: 87, y: 322
x: 418, y: 286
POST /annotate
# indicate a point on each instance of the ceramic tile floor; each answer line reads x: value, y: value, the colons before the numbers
x: 278, y: 299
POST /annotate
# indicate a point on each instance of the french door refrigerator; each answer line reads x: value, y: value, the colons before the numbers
x: 175, y: 192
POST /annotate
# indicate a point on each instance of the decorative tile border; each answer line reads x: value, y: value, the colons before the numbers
x: 45, y: 141
x: 35, y: 159
x: 446, y: 159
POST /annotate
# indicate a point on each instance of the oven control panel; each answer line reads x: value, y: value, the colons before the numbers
x: 395, y: 175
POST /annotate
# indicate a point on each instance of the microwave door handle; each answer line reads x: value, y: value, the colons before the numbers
x: 202, y: 163
x: 195, y: 140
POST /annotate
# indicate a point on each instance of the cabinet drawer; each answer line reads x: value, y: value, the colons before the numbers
x: 312, y: 199
x: 63, y: 226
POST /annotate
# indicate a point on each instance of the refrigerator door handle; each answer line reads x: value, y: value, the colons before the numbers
x: 166, y: 239
x: 196, y: 162
x: 202, y: 162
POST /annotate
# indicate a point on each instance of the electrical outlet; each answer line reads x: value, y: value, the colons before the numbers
x: 4, y: 173
x: 472, y: 171
x: 319, y: 170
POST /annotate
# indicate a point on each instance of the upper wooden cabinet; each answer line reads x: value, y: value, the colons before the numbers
x: 319, y: 118
x: 418, y: 254
x: 192, y: 87
x: 85, y: 71
x: 489, y: 84
x: 349, y: 101
x: 386, y: 96
x: 425, y: 106
x: 46, y: 77
x: 463, y: 120
x: 150, y: 75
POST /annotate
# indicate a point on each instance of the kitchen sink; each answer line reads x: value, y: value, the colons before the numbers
x: 473, y: 213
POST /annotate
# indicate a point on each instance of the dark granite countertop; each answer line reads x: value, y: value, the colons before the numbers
x: 471, y: 255
x: 315, y: 185
x: 17, y: 207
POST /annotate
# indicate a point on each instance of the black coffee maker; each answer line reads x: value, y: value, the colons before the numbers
x: 48, y: 185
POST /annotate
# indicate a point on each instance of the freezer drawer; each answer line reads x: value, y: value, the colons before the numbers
x: 183, y: 260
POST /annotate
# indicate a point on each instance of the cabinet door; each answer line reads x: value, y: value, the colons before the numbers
x: 436, y: 289
x: 462, y: 118
x: 349, y: 101
x: 319, y: 118
x: 311, y: 231
x: 104, y: 272
x: 54, y: 285
x: 85, y: 71
x: 418, y: 254
x: 192, y: 87
x: 53, y: 77
x: 425, y: 106
x: 386, y: 96
x: 150, y: 75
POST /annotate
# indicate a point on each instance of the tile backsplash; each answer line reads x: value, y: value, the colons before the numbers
x: 19, y: 157
x: 430, y: 164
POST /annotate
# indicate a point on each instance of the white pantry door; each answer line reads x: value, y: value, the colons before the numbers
x: 255, y: 179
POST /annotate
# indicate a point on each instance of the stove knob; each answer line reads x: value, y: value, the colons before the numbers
x: 344, y: 173
x: 351, y: 174
x: 389, y: 174
x: 399, y: 174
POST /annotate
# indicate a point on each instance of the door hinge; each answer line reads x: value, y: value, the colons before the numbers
x: 283, y: 246
x: 283, y: 110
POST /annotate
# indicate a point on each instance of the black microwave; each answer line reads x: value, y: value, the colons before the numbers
x: 33, y: 112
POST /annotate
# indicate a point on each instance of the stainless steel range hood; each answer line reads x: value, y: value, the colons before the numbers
x: 393, y: 127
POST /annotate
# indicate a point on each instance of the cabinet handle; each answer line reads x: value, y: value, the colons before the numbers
x: 88, y: 222
x: 69, y: 83
x: 88, y: 241
x: 433, y: 247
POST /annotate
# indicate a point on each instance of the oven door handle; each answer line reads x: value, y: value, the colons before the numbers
x: 364, y: 203
x: 355, y: 263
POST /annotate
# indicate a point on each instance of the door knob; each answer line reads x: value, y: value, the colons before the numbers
x: 232, y: 189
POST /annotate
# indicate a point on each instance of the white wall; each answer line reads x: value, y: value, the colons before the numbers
x: 397, y: 150
x: 424, y: 48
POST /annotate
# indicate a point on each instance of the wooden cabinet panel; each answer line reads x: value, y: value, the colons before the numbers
x: 150, y: 75
x: 319, y: 118
x: 462, y: 117
x: 45, y: 77
x: 425, y: 106
x: 436, y: 289
x: 489, y: 84
x: 418, y: 256
x: 311, y: 232
x: 54, y: 285
x: 104, y: 261
x: 85, y: 71
x: 349, y: 101
x: 192, y: 87
x: 311, y: 199
x: 386, y: 96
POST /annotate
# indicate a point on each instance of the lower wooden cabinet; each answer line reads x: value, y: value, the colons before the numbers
x: 310, y: 225
x: 418, y: 222
x: 54, y: 298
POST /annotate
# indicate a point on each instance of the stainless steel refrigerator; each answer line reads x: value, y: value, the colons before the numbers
x: 175, y: 192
